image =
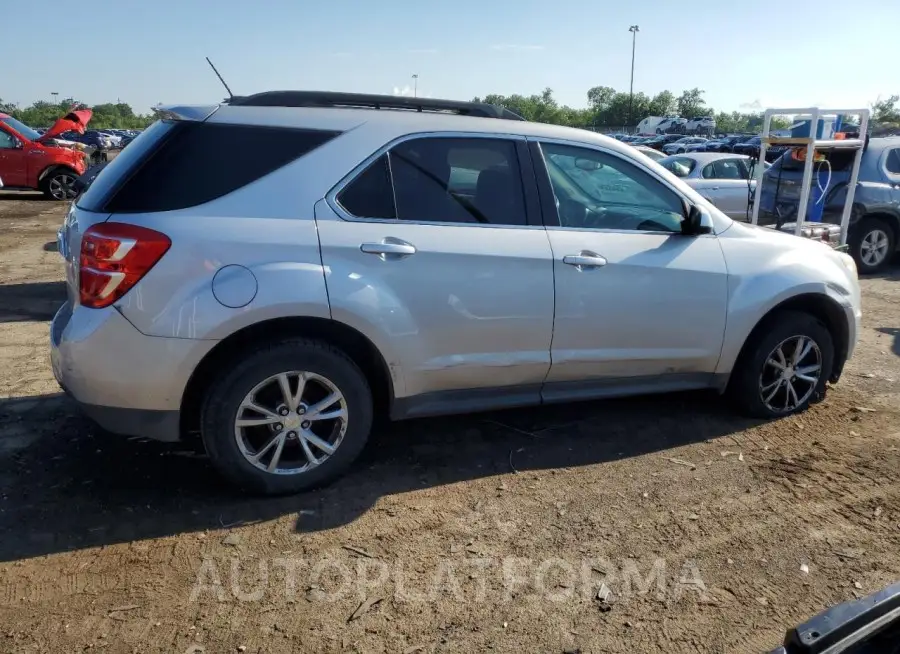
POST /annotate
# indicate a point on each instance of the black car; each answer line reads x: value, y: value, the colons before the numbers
x: 725, y: 143
x: 657, y: 142
x: 751, y: 148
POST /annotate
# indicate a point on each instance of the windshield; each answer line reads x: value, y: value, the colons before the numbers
x: 21, y: 128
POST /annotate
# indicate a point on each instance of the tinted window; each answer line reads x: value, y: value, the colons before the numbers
x: 192, y: 163
x: 595, y: 190
x: 893, y: 161
x: 370, y: 195
x: 458, y: 181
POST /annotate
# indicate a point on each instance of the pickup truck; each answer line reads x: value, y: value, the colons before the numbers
x: 30, y: 160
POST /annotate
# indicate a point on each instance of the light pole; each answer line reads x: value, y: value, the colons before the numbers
x: 415, y: 78
x: 634, y: 29
x: 55, y: 94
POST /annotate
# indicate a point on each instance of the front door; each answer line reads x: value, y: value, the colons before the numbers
x: 428, y: 251
x: 13, y: 166
x: 638, y: 304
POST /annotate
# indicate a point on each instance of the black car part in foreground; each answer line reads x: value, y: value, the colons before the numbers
x: 870, y: 625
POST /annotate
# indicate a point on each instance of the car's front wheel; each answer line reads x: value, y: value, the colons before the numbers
x: 784, y: 367
x: 59, y: 185
x: 872, y: 243
x: 287, y: 417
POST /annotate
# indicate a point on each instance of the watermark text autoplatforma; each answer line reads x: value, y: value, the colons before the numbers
x: 471, y: 579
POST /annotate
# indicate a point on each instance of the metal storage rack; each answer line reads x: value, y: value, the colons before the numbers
x: 812, y: 144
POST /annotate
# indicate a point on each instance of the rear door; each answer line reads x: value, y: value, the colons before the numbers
x: 724, y: 183
x: 434, y: 249
x: 639, y: 306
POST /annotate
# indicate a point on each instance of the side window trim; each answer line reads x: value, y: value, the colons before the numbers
x: 548, y: 203
x: 532, y: 218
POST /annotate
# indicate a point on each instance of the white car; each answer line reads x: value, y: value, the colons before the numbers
x: 702, y: 125
x: 722, y: 178
x: 671, y: 125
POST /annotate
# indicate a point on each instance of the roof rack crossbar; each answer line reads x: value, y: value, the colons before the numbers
x: 370, y: 101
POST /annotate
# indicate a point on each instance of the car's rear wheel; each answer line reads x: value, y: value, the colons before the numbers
x: 59, y: 185
x: 872, y: 243
x: 784, y: 368
x: 287, y: 417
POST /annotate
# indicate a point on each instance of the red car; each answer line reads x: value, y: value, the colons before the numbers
x: 29, y: 160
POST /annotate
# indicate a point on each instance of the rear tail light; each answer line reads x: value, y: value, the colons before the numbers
x: 114, y: 257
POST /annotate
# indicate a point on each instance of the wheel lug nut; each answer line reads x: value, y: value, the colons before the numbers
x: 279, y: 427
x: 282, y: 411
x: 305, y: 424
x: 301, y: 411
x: 292, y: 434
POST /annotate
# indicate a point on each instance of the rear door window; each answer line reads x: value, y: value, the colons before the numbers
x: 730, y: 169
x: 893, y: 162
x: 458, y: 180
x: 175, y: 165
x: 447, y: 180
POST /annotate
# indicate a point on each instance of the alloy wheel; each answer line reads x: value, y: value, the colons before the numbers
x: 790, y: 374
x: 291, y: 422
x: 62, y: 187
x: 874, y: 247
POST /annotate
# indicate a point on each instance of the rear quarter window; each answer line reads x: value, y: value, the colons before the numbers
x: 175, y: 165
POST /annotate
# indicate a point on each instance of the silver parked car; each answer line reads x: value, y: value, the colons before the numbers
x: 413, y: 257
x: 721, y: 178
x: 682, y: 144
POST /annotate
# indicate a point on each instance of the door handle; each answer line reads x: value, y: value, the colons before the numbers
x: 393, y: 247
x: 586, y: 259
x: 713, y: 188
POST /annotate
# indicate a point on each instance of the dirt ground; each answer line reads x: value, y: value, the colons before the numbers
x: 710, y: 533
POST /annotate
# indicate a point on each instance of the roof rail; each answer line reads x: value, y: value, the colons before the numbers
x: 369, y: 101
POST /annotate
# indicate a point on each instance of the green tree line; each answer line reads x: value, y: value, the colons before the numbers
x: 611, y: 109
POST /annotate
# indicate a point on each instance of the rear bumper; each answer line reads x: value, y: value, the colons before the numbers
x: 127, y: 382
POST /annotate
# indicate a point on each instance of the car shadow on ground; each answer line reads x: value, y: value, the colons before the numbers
x: 66, y: 485
x: 895, y: 332
x: 32, y: 301
x: 24, y: 195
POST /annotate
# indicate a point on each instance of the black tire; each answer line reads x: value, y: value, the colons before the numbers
x: 747, y: 378
x: 228, y: 391
x: 857, y: 237
x: 59, y: 179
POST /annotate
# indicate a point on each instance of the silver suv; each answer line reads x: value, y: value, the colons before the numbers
x: 273, y: 271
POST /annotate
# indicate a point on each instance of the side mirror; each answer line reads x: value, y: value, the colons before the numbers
x: 17, y: 144
x: 697, y: 221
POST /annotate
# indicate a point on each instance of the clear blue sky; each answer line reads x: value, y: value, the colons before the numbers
x: 148, y: 52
